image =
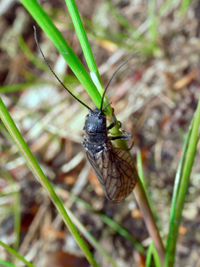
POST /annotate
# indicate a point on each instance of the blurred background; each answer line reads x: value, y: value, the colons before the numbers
x: 154, y: 96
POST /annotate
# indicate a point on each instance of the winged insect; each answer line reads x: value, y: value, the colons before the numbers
x: 114, y: 167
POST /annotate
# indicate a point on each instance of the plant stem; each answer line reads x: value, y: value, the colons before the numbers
x: 149, y: 219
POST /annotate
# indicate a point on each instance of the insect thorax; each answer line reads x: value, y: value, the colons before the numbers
x: 93, y: 148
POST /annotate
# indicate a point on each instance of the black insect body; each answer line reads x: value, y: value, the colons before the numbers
x: 113, y: 166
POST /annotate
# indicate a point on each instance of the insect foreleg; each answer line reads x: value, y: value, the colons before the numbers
x: 114, y: 122
x: 119, y: 137
x: 112, y: 125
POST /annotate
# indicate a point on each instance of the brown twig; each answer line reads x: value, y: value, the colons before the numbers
x: 149, y: 220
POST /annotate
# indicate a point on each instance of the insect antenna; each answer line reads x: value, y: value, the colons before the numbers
x: 115, y: 72
x: 55, y: 75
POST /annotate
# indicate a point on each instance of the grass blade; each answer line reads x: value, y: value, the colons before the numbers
x: 5, y: 263
x: 152, y: 255
x: 38, y: 173
x: 17, y: 255
x: 181, y: 186
x: 80, y: 31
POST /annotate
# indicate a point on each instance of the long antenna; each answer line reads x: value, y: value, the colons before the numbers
x: 115, y: 72
x: 47, y: 63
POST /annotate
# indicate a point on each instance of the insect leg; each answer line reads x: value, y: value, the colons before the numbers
x: 112, y: 125
x: 114, y: 121
x: 131, y: 146
x: 119, y: 137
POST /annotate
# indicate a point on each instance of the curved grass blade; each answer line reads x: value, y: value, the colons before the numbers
x: 38, y: 173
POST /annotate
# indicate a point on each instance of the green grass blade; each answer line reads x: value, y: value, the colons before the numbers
x: 181, y: 186
x: 175, y: 195
x: 58, y: 40
x: 152, y: 255
x: 16, y: 87
x: 149, y: 257
x: 166, y: 5
x: 38, y: 173
x: 184, y: 6
x: 17, y: 255
x: 152, y: 21
x: 82, y: 38
x: 119, y: 17
x: 5, y: 263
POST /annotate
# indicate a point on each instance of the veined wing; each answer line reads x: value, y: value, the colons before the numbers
x: 115, y: 171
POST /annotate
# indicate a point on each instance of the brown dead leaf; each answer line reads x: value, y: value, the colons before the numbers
x: 50, y: 232
x: 136, y: 214
x: 182, y: 230
x: 107, y: 45
x: 139, y: 259
x: 64, y: 259
x: 184, y: 81
x: 40, y: 142
x: 69, y: 179
x: 165, y: 120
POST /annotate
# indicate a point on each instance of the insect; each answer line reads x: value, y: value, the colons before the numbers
x: 114, y: 167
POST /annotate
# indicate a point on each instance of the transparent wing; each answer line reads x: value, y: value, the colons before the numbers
x: 115, y: 171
